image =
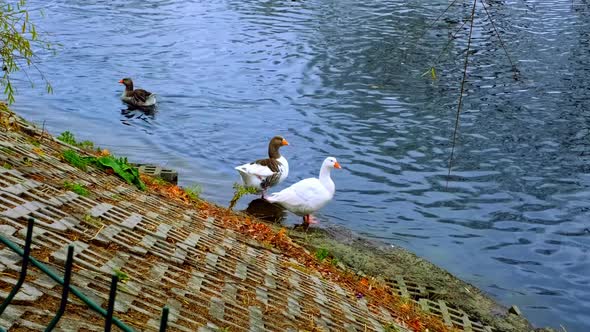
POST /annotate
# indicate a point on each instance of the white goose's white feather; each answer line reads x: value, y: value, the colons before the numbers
x: 303, y: 197
x: 308, y: 195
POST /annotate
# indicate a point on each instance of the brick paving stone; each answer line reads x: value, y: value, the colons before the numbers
x: 294, y: 310
x: 217, y: 309
x: 269, y: 282
x: 100, y: 209
x: 132, y: 221
x: 163, y: 230
x: 229, y: 292
x: 192, y: 239
x: 211, y: 259
x: 256, y: 319
x: 262, y: 295
x: 196, y: 281
x: 241, y: 271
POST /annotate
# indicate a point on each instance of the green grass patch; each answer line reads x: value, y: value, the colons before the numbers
x: 116, y: 197
x: 159, y: 181
x: 321, y: 254
x: 239, y: 191
x: 122, y: 276
x: 96, y: 222
x: 120, y: 166
x: 77, y: 188
x: 334, y: 261
x: 86, y: 145
x: 34, y: 142
x: 193, y: 192
x: 7, y: 165
x: 74, y: 159
x: 69, y: 138
x: 391, y: 327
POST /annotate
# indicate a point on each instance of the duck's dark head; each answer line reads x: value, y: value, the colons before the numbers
x: 127, y: 82
x: 274, y: 145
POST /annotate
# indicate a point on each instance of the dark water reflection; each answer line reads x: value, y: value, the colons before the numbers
x: 343, y: 78
x: 264, y: 210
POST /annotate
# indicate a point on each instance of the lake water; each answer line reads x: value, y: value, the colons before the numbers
x: 344, y: 78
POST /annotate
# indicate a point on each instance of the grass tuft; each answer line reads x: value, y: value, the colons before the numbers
x: 96, y: 222
x: 321, y: 254
x: 122, y: 276
x: 74, y: 159
x: 391, y: 327
x: 69, y: 138
x: 159, y: 181
x: 193, y: 192
x: 119, y: 166
x: 77, y: 188
x: 239, y: 191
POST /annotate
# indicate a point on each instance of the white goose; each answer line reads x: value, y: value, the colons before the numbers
x: 265, y: 173
x: 308, y: 195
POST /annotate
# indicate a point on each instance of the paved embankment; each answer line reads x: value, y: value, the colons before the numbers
x: 215, y: 271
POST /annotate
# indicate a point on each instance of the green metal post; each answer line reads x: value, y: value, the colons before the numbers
x: 91, y: 304
x: 111, y: 304
x: 164, y: 321
x: 23, y: 270
x: 65, y: 289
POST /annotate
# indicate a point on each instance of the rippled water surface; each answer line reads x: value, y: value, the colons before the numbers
x: 344, y: 78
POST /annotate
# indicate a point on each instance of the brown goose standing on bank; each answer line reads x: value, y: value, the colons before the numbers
x: 137, y: 97
x: 265, y: 173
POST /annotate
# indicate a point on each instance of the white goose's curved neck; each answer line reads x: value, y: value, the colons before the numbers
x: 326, y: 180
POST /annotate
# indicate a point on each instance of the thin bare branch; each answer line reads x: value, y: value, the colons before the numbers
x: 460, y: 104
x: 436, y: 20
x: 449, y: 43
x: 430, y: 26
x: 514, y: 69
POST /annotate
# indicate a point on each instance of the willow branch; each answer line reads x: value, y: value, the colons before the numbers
x: 514, y: 69
x: 461, y: 93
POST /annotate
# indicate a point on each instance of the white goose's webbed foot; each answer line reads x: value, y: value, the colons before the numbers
x: 308, y: 220
x: 312, y: 220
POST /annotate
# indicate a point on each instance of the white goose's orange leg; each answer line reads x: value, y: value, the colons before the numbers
x: 308, y: 219
x: 311, y: 219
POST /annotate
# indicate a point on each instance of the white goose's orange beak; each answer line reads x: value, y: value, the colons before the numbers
x: 285, y: 142
x: 337, y: 165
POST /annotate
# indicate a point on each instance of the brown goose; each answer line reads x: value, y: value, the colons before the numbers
x: 137, y: 97
x: 265, y: 173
